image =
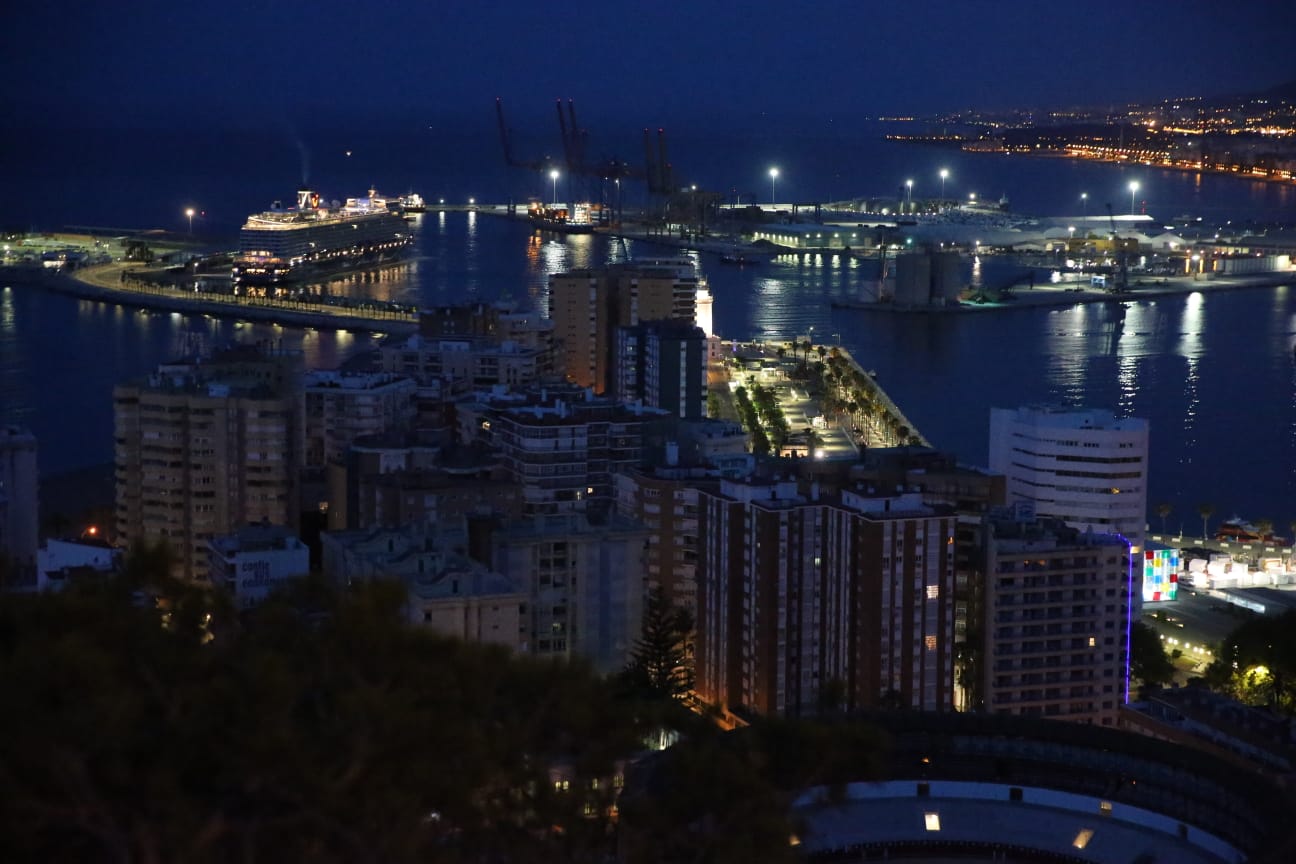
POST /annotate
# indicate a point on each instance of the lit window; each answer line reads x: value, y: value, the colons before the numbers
x: 930, y: 642
x: 933, y: 592
x: 1105, y: 807
x: 1082, y: 839
x: 1091, y: 641
x: 932, y: 821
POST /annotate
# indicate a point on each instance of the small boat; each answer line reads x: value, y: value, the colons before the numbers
x: 741, y: 256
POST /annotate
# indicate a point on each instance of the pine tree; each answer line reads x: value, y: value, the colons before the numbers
x: 661, y: 662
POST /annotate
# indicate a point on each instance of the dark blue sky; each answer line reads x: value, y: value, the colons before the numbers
x: 644, y: 63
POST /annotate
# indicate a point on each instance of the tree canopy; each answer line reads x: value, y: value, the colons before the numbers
x: 1148, y: 660
x: 1257, y: 662
x: 325, y: 731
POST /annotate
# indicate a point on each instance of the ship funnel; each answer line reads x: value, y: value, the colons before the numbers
x: 304, y: 197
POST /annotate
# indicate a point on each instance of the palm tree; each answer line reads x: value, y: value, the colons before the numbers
x: 1163, y: 510
x: 1205, y: 511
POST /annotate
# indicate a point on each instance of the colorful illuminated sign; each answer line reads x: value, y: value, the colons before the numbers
x: 1160, y: 575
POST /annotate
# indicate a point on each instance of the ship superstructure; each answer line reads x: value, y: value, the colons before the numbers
x: 314, y: 238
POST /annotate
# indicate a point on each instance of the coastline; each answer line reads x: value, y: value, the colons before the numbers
x: 103, y: 283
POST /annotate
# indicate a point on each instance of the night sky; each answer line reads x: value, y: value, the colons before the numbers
x: 242, y: 61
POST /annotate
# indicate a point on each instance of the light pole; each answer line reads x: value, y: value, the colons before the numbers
x: 773, y: 172
x: 1134, y: 187
x: 553, y: 175
x: 909, y: 194
x: 944, y: 175
x: 1084, y: 204
x: 189, y: 211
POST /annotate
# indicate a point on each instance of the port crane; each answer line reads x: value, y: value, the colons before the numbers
x: 1121, y: 281
x: 576, y: 162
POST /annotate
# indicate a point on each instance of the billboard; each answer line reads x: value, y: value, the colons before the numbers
x: 1160, y: 575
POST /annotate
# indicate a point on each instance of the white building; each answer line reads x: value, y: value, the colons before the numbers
x: 58, y: 560
x: 255, y: 560
x: 1083, y: 466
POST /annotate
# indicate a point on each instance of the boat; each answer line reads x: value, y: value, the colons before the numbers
x: 413, y: 203
x: 558, y: 218
x: 315, y: 239
x: 741, y: 256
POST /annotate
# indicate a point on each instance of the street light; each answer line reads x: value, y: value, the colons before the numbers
x: 189, y: 211
x: 909, y: 193
x: 1134, y: 187
x: 1084, y: 202
x: 553, y: 175
x: 944, y: 175
x: 773, y: 172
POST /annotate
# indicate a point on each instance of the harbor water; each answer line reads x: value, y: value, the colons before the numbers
x: 1213, y: 373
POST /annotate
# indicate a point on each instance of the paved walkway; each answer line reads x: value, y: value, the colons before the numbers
x: 104, y: 282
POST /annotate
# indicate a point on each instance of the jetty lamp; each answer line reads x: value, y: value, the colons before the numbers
x: 189, y: 211
x: 773, y: 172
x: 553, y: 175
x: 1134, y: 187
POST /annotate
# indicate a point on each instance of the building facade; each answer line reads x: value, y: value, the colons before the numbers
x: 203, y: 448
x: 587, y: 306
x: 564, y: 455
x: 1058, y: 607
x: 343, y: 406
x: 664, y: 365
x: 1085, y: 467
x: 255, y: 560
x: 18, y: 505
x: 808, y: 601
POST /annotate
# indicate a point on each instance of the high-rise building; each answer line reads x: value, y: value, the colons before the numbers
x: 665, y: 501
x: 1083, y: 466
x: 585, y: 583
x: 18, y: 510
x: 664, y: 365
x: 586, y: 307
x: 810, y: 600
x: 343, y: 406
x: 1058, y: 608
x: 564, y: 455
x: 205, y: 447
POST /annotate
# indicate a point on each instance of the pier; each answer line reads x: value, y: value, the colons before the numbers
x: 103, y: 283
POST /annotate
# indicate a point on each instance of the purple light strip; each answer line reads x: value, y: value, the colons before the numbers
x: 1129, y: 609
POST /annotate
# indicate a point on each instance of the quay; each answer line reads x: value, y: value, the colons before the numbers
x: 103, y: 283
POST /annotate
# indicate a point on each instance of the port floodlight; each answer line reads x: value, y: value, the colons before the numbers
x: 773, y: 172
x: 553, y: 175
x: 1133, y: 187
x: 944, y: 175
x: 189, y: 211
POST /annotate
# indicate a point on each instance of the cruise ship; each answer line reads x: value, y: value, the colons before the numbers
x: 315, y: 239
